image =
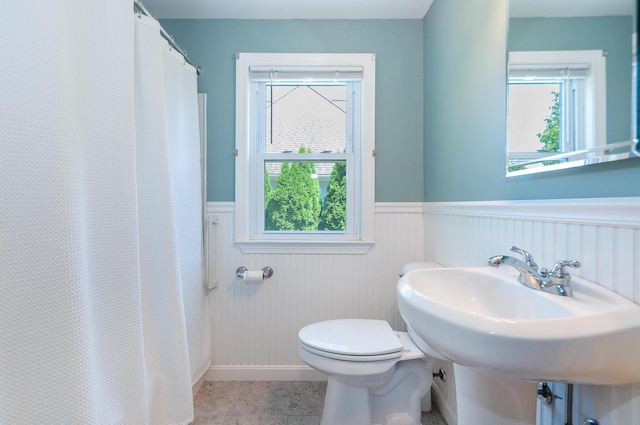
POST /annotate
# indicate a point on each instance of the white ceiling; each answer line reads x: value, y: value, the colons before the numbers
x: 288, y: 9
x: 364, y: 9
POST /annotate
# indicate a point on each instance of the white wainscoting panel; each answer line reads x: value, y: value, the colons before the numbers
x: 255, y: 325
x: 604, y: 234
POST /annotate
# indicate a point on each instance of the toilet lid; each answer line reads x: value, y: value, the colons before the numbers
x: 351, y: 337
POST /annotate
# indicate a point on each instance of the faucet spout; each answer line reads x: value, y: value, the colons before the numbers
x: 528, y: 275
x: 555, y: 281
x: 498, y: 260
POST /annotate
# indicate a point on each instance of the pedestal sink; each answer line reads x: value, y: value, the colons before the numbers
x: 483, y: 319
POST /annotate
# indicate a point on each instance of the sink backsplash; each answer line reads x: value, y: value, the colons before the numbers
x: 603, y: 233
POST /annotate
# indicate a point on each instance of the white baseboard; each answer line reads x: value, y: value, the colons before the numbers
x: 196, y: 387
x: 263, y: 373
x: 448, y: 413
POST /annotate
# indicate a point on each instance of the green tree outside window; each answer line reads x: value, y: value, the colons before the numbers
x: 550, y: 136
x: 334, y: 209
x: 295, y: 202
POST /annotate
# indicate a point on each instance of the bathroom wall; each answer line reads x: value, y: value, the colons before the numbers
x: 255, y: 325
x: 465, y: 124
x: 440, y: 137
x: 464, y: 130
x: 397, y: 44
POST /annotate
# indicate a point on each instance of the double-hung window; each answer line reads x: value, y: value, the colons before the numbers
x: 557, y: 104
x: 305, y: 152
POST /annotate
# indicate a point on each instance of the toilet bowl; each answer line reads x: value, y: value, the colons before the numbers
x: 376, y: 376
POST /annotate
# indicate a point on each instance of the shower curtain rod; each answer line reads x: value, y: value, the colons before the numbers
x: 140, y: 7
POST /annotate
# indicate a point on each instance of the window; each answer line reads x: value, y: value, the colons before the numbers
x: 305, y: 146
x: 556, y: 105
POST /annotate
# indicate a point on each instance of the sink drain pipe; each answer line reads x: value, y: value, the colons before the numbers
x: 588, y: 421
x: 545, y: 395
x: 569, y: 404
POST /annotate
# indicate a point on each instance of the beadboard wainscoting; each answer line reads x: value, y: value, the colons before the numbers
x: 604, y: 234
x: 255, y: 325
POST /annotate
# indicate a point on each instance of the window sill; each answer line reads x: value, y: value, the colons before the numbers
x: 305, y: 247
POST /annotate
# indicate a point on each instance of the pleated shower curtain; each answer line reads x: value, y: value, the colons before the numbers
x: 92, y: 320
x: 167, y: 94
x: 186, y: 182
x: 166, y: 355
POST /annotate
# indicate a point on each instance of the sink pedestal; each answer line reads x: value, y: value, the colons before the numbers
x: 484, y: 398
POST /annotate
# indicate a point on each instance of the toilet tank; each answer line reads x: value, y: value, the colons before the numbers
x: 417, y: 266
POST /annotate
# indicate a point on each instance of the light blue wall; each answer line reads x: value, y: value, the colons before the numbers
x: 464, y: 124
x: 399, y: 78
x: 609, y: 33
x: 464, y: 121
x: 440, y: 97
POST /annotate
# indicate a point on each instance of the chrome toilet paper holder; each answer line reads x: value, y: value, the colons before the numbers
x: 267, y: 272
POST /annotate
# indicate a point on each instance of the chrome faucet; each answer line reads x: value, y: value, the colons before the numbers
x: 556, y: 281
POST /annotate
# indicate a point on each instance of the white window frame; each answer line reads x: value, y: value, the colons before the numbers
x: 249, y: 203
x: 595, y: 99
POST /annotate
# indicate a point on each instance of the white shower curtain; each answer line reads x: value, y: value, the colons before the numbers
x: 92, y: 321
x: 165, y: 341
x: 186, y: 182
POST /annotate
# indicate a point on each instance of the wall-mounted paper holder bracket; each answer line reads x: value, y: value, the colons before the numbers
x: 267, y: 272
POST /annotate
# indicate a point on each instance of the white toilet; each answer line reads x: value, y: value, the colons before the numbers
x: 377, y: 376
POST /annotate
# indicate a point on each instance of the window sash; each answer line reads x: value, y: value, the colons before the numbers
x: 572, y: 110
x: 353, y: 107
x: 582, y: 73
x: 353, y: 133
x: 352, y: 208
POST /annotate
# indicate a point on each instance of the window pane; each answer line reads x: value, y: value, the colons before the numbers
x: 531, y: 112
x: 305, y: 196
x: 305, y: 116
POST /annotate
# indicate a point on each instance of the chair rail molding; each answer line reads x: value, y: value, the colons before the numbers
x: 618, y: 212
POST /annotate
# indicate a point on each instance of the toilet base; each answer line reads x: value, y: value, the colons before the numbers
x: 397, y: 402
x: 345, y: 402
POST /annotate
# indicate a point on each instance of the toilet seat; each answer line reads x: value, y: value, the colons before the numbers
x: 363, y: 340
x: 351, y: 358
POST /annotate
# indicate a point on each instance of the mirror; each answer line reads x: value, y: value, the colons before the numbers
x: 571, y: 94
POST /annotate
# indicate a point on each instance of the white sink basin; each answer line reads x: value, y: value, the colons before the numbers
x: 483, y: 317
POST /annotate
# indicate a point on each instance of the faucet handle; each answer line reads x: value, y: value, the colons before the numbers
x: 558, y: 268
x: 528, y: 259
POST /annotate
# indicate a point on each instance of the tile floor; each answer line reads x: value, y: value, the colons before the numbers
x: 268, y: 403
